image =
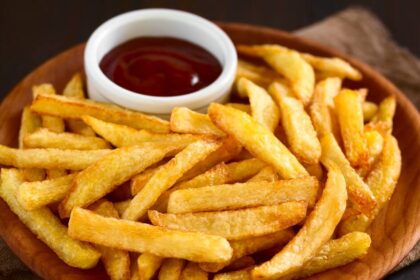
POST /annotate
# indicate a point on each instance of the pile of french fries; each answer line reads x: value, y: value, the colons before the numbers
x: 281, y: 186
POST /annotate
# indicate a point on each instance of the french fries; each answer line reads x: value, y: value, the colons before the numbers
x: 171, y: 269
x: 386, y: 112
x: 263, y: 108
x: 257, y: 139
x: 121, y: 164
x: 259, y: 74
x: 193, y: 272
x: 69, y: 108
x: 243, y: 195
x: 369, y: 110
x: 358, y: 191
x: 144, y: 238
x: 148, y: 265
x: 52, y: 123
x: 267, y: 174
x: 235, y: 224
x: 46, y: 226
x: 43, y: 138
x: 318, y: 228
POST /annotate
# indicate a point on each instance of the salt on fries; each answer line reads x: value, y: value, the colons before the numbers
x: 209, y: 195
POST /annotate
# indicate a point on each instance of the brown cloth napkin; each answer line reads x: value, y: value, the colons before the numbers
x: 354, y: 31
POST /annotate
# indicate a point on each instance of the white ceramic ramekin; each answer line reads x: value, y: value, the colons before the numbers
x: 159, y: 23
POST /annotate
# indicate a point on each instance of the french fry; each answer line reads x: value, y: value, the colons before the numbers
x: 171, y: 269
x: 369, y: 110
x: 257, y: 139
x: 69, y: 108
x: 74, y: 89
x: 33, y: 174
x: 300, y: 133
x: 318, y: 228
x: 267, y: 174
x: 116, y: 262
x: 322, y: 115
x: 386, y: 112
x: 167, y: 176
x: 348, y: 107
x: 288, y: 63
x: 46, y: 226
x: 33, y: 195
x: 239, y: 106
x: 250, y: 246
x: 121, y: 206
x: 235, y: 224
x: 53, y: 123
x: 243, y: 274
x: 184, y: 120
x: 148, y: 265
x: 122, y: 135
x: 335, y: 253
x: 375, y: 143
x: 144, y: 238
x: 358, y: 191
x: 50, y: 158
x: 193, y: 272
x: 134, y: 270
x: 43, y: 138
x: 56, y: 173
x: 315, y: 170
x: 259, y: 74
x: 263, y: 108
x: 243, y: 195
x: 244, y: 262
x: 112, y: 170
x: 333, y: 67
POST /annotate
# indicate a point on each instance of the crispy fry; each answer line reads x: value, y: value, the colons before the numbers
x: 263, y: 108
x: 171, y: 269
x: 29, y: 123
x: 318, y: 228
x: 244, y: 262
x: 184, y: 120
x: 49, y: 158
x: 386, y: 112
x: 121, y: 206
x: 70, y: 108
x: 250, y: 246
x: 267, y: 174
x: 33, y: 174
x: 112, y: 170
x: 290, y: 64
x: 315, y: 170
x: 369, y: 110
x: 46, y: 226
x: 259, y: 74
x: 334, y: 67
x: 144, y: 238
x: 43, y: 138
x: 193, y: 272
x: 239, y: 106
x: 375, y: 143
x: 121, y: 135
x: 235, y: 224
x: 243, y: 274
x: 33, y: 195
x: 116, y: 262
x: 56, y: 173
x: 350, y: 116
x: 298, y: 127
x: 358, y: 191
x: 243, y: 195
x: 52, y: 123
x: 257, y: 139
x: 148, y: 265
x: 139, y: 181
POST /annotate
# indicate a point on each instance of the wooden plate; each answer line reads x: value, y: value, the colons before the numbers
x: 394, y: 232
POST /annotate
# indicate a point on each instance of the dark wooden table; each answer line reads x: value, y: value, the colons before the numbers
x: 33, y: 31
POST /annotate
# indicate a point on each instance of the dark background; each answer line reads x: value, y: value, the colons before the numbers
x: 33, y: 31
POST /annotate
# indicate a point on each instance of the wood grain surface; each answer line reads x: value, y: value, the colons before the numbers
x: 394, y: 232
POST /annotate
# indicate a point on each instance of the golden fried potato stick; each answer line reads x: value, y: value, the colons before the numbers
x: 111, y: 171
x: 167, y: 176
x: 33, y: 195
x: 332, y: 67
x: 46, y: 226
x: 56, y: 173
x: 288, y: 63
x: 235, y: 224
x: 74, y: 89
x: 243, y: 195
x: 244, y: 262
x: 358, y: 191
x: 148, y: 264
x: 116, y: 262
x: 297, y: 125
x: 259, y: 74
x: 369, y: 110
x: 249, y: 246
x: 139, y: 181
x: 386, y: 112
x: 267, y: 174
x: 70, y: 108
x: 171, y: 269
x: 43, y: 138
x: 184, y: 120
x: 243, y: 274
x: 375, y: 143
x: 53, y: 123
x: 257, y: 139
x: 321, y: 110
x: 315, y: 170
x: 122, y: 135
x: 348, y: 107
x: 263, y: 108
x: 318, y: 228
x: 144, y: 238
x: 193, y: 272
x: 121, y: 206
x: 50, y: 158
x: 240, y: 106
x: 382, y: 180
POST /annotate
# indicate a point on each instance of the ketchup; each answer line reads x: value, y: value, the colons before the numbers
x: 160, y: 66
